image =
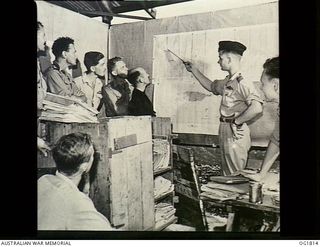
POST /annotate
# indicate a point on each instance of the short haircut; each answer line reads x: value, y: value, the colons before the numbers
x: 39, y: 25
x: 235, y: 54
x: 92, y: 58
x: 133, y: 76
x: 61, y: 44
x: 112, y: 63
x: 271, y: 67
x: 71, y: 151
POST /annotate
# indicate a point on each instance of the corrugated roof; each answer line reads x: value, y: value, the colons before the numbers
x: 97, y: 8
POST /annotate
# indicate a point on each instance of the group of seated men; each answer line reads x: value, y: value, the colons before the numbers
x: 124, y: 94
x: 63, y: 202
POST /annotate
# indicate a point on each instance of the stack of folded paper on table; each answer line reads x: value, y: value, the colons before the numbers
x: 67, y: 110
x: 238, y: 188
x: 220, y: 191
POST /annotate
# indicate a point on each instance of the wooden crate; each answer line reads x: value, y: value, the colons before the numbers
x: 122, y: 188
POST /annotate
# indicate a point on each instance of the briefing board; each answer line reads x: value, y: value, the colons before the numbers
x: 180, y: 96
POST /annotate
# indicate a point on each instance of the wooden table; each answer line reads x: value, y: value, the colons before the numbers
x: 234, y: 208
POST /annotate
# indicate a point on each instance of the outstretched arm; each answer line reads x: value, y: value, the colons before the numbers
x: 271, y: 155
x: 204, y: 81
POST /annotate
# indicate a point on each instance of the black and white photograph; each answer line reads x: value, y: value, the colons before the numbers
x: 158, y: 116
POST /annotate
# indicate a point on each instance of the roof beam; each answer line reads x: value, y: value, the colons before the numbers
x: 100, y: 13
x: 151, y: 12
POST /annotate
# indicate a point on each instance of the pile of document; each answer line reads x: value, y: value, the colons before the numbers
x: 161, y: 154
x: 162, y: 186
x: 64, y: 109
x: 220, y: 191
x: 164, y: 213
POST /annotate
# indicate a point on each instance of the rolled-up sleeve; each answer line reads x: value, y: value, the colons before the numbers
x: 217, y: 87
x: 249, y: 92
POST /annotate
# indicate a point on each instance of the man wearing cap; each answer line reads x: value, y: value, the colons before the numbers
x: 240, y: 103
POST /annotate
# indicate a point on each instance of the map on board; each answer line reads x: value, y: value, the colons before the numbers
x: 180, y: 96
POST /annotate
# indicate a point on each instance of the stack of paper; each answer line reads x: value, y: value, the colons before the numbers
x: 219, y: 192
x: 161, y: 154
x: 164, y: 213
x: 162, y: 186
x: 67, y: 110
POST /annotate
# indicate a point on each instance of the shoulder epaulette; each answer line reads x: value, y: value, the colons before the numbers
x: 239, y: 78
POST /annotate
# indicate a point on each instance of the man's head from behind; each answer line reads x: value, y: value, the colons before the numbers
x: 230, y: 53
x: 73, y: 153
x: 270, y: 79
x: 138, y: 76
x: 117, y: 67
x: 63, y: 48
x: 41, y: 37
x: 95, y: 62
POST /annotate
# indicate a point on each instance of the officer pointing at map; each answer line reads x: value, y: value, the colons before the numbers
x: 240, y: 103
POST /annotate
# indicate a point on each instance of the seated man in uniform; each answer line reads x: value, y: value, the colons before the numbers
x: 42, y: 85
x: 61, y: 205
x: 58, y: 79
x: 271, y: 88
x: 240, y: 103
x: 139, y: 104
x: 90, y: 82
x: 117, y: 93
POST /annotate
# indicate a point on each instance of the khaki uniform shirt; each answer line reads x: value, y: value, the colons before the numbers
x: 237, y: 94
x: 91, y: 90
x: 61, y: 82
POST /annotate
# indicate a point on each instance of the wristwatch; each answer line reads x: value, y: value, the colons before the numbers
x: 238, y: 125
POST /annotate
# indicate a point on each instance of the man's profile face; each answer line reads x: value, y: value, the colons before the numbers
x: 121, y: 69
x: 100, y: 68
x: 41, y: 39
x: 144, y: 76
x: 71, y: 55
x: 268, y: 86
x: 223, y: 61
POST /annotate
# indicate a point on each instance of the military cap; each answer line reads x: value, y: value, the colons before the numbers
x: 232, y: 46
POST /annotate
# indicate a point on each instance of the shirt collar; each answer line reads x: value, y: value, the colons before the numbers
x: 138, y: 90
x: 66, y: 179
x: 56, y: 66
x: 86, y: 80
x: 235, y: 75
x: 232, y: 80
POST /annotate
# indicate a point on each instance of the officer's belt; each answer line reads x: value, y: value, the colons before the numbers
x: 226, y: 120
